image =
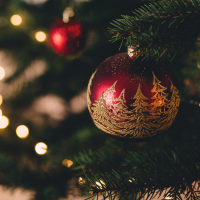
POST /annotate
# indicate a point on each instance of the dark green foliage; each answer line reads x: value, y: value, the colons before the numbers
x: 160, y: 26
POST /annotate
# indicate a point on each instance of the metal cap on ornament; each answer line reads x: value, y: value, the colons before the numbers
x: 132, y: 52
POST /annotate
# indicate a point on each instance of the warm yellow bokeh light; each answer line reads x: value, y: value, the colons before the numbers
x: 40, y: 36
x: 67, y: 163
x: 41, y: 148
x: 2, y: 73
x: 0, y: 112
x: 4, y: 121
x: 22, y: 131
x: 81, y: 181
x: 1, y: 99
x: 16, y: 20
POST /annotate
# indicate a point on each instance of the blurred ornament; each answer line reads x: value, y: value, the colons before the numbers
x: 2, y: 73
x: 16, y: 20
x: 133, y: 101
x: 22, y: 131
x: 41, y: 148
x: 67, y: 39
x: 40, y: 36
x: 4, y: 122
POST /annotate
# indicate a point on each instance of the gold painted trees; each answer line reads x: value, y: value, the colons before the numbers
x: 139, y: 115
x: 160, y: 97
x: 113, y: 116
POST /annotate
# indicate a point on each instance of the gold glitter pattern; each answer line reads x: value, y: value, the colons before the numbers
x: 112, y: 116
x: 89, y: 103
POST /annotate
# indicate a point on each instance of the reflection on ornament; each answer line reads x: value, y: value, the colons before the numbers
x: 4, y: 121
x: 22, y: 131
x: 67, y: 163
x: 2, y: 73
x: 1, y: 99
x: 41, y: 148
x: 16, y: 20
x: 40, y: 36
x: 142, y: 110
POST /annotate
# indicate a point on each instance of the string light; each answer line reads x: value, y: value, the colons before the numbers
x: 67, y: 163
x: 168, y: 196
x: 16, y: 20
x: 2, y: 73
x: 41, y: 148
x: 4, y: 121
x: 100, y: 184
x: 40, y: 36
x: 22, y: 131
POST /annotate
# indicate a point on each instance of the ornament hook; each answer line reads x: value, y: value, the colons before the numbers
x: 67, y: 13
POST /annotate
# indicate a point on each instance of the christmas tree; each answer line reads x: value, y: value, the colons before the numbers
x: 48, y: 141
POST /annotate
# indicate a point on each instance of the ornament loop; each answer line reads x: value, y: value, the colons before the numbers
x: 67, y: 13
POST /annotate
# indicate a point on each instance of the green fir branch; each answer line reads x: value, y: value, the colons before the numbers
x: 160, y: 26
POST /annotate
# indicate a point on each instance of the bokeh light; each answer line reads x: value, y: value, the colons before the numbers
x: 16, y: 20
x: 81, y: 181
x: 41, y: 148
x: 67, y: 163
x: 22, y: 131
x: 0, y: 112
x: 40, y: 36
x: 4, y: 121
x: 1, y: 99
x: 2, y: 73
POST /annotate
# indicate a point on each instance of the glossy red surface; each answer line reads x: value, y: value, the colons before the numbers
x: 128, y: 75
x: 66, y: 38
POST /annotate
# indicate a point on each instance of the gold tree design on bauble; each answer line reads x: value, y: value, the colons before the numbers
x: 144, y: 119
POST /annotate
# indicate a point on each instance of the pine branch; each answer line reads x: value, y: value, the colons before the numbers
x: 145, y: 180
x: 160, y: 26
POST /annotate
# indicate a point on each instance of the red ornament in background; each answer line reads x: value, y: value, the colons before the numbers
x: 67, y: 38
x: 132, y: 100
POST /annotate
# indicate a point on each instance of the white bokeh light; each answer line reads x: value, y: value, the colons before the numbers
x: 41, y: 148
x: 4, y: 122
x: 16, y: 20
x: 22, y: 131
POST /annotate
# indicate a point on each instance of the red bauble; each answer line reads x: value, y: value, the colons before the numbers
x: 132, y: 100
x: 67, y: 38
